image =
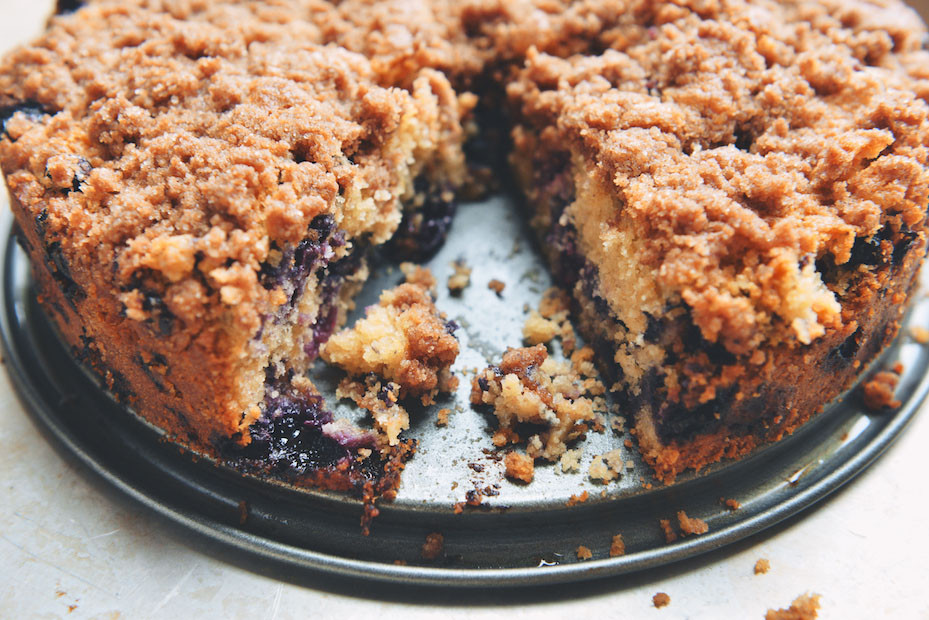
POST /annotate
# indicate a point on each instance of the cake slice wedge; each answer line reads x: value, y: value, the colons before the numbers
x: 738, y: 204
x: 197, y: 189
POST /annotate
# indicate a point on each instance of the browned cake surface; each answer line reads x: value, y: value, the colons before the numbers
x: 738, y: 189
x: 159, y: 160
x: 742, y: 188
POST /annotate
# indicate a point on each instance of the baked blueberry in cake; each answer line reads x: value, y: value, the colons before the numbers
x: 736, y: 195
x: 198, y: 186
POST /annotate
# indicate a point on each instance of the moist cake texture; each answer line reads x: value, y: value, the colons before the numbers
x: 733, y: 192
x: 197, y: 190
x: 737, y: 198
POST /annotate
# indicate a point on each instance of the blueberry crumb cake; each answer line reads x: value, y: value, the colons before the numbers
x: 733, y: 191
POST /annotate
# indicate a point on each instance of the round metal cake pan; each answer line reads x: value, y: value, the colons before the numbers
x: 520, y: 535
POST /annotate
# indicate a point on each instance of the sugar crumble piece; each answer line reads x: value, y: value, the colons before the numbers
x: 519, y: 467
x: 419, y: 275
x: 762, y: 566
x: 579, y: 498
x: 617, y: 546
x: 441, y: 418
x: 878, y: 393
x: 497, y: 286
x: 691, y: 525
x: 403, y: 339
x: 607, y: 467
x: 539, y: 330
x: 920, y: 334
x: 571, y: 460
x: 669, y: 535
x: 460, y: 278
x: 583, y: 553
x: 433, y: 547
x: 661, y: 600
x: 530, y: 387
x: 804, y: 607
x: 730, y: 504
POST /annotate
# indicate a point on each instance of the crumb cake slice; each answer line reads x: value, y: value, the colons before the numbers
x: 737, y: 198
x: 197, y: 186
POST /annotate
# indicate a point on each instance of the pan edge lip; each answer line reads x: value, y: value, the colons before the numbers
x: 308, y: 559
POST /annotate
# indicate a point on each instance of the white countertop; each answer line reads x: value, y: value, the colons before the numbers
x: 71, y: 546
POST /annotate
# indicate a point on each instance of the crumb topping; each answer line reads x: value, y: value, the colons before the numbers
x: 878, y: 392
x: 742, y: 147
x: 182, y: 146
x: 519, y: 467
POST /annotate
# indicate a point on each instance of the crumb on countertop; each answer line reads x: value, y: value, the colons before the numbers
x: 804, y: 607
x: 433, y: 546
x: 661, y: 600
x: 762, y: 566
x: 497, y: 286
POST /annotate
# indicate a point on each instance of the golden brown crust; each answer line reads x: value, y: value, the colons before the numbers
x: 161, y: 156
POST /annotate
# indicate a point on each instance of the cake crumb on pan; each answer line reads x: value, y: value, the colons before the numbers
x: 433, y: 547
x: 669, y: 535
x: 691, y: 525
x: 804, y: 607
x: 878, y: 393
x: 661, y: 600
x: 607, y: 467
x: 579, y: 498
x: 497, y: 286
x: 460, y: 278
x: 617, y: 546
x: 730, y: 504
x: 583, y: 553
x: 519, y: 467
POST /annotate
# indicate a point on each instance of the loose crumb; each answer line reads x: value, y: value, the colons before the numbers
x: 661, y: 600
x: 519, y: 467
x: 497, y: 286
x: 762, y: 566
x: 607, y: 467
x: 419, y: 275
x: 730, y: 504
x: 617, y: 546
x: 878, y: 392
x: 571, y: 460
x: 583, y: 553
x: 580, y: 498
x: 460, y: 279
x: 441, y: 418
x: 539, y: 330
x: 691, y: 526
x: 804, y: 607
x: 433, y: 546
x: 920, y: 334
x: 669, y: 534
